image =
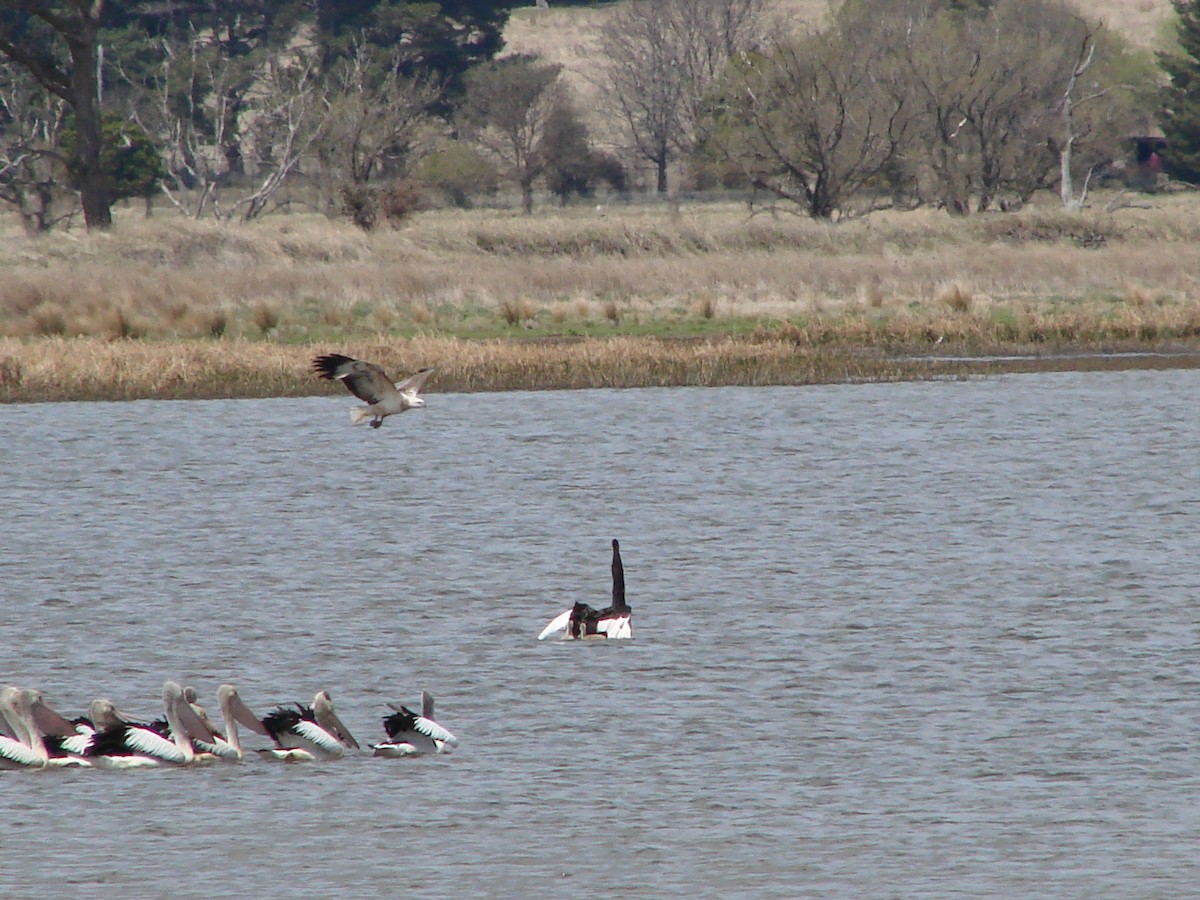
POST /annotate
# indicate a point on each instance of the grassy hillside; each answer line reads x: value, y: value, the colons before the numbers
x: 567, y: 36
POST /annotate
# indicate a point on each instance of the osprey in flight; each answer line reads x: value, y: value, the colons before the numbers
x: 371, y: 384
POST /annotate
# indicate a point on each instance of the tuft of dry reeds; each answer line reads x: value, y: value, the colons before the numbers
x: 265, y: 316
x: 957, y: 297
x: 517, y: 310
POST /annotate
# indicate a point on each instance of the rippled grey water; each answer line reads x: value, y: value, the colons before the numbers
x: 892, y: 640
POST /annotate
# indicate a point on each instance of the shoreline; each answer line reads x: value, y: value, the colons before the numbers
x: 46, y: 370
x: 177, y: 309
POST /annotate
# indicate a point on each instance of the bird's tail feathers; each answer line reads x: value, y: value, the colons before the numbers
x: 359, y: 414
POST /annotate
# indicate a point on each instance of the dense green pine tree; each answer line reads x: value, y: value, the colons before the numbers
x: 1181, y: 97
x: 443, y: 38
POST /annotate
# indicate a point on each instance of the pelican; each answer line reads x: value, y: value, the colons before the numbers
x: 582, y: 622
x: 38, y: 728
x: 220, y: 748
x: 18, y: 739
x: 124, y: 744
x: 308, y: 732
x: 233, y: 711
x: 410, y: 734
x: 369, y: 383
x: 63, y: 739
x: 74, y: 744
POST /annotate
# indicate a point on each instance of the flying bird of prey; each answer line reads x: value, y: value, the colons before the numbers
x: 371, y: 384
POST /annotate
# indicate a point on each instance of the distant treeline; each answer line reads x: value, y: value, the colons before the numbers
x: 385, y: 107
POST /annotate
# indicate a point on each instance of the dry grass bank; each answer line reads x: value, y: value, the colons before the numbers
x: 172, y: 307
x: 54, y: 369
x: 708, y: 268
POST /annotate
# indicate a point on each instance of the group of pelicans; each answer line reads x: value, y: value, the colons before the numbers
x: 33, y: 735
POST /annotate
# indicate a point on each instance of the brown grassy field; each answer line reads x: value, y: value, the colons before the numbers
x: 701, y: 294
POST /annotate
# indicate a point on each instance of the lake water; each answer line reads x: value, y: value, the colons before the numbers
x: 891, y: 640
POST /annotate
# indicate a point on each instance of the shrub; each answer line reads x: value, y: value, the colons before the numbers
x: 366, y: 205
x: 265, y: 316
x: 459, y: 172
x: 398, y: 201
x: 359, y: 206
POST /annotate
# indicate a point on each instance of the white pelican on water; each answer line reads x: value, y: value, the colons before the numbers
x: 227, y: 746
x: 410, y: 734
x: 371, y: 384
x: 35, y: 732
x: 582, y: 622
x: 18, y: 737
x: 308, y: 732
x: 126, y: 744
x: 74, y: 744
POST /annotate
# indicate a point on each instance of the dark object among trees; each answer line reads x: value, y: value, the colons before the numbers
x: 1181, y: 97
x: 439, y: 40
x: 128, y: 156
x: 366, y: 205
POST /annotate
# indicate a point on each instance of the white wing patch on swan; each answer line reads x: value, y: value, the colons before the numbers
x: 616, y: 628
x: 558, y: 625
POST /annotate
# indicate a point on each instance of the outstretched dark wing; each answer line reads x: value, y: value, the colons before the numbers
x: 414, y: 382
x: 364, y: 380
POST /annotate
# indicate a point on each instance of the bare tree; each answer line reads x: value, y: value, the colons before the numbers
x: 661, y: 56
x: 989, y: 88
x: 183, y: 102
x: 29, y: 36
x: 187, y: 104
x: 1106, y: 87
x: 373, y: 116
x: 809, y: 122
x: 31, y: 165
x: 1066, y: 150
x: 285, y: 119
x: 508, y: 109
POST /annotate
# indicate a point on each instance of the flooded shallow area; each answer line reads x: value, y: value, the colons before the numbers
x: 891, y: 639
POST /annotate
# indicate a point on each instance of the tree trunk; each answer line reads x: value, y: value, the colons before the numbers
x: 94, y: 187
x: 1071, y: 201
x: 660, y: 166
